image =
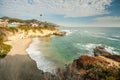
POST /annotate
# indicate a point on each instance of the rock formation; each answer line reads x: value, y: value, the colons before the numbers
x: 60, y: 33
x: 100, y: 50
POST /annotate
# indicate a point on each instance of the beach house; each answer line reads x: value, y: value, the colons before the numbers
x: 3, y: 23
x: 34, y: 24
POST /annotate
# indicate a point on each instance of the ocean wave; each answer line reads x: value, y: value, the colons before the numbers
x: 90, y: 46
x: 109, y: 38
x: 38, y: 57
x: 86, y: 31
x: 68, y: 32
x: 101, y: 33
x: 116, y: 36
x: 112, y: 39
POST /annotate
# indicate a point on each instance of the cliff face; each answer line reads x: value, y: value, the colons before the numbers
x: 27, y: 29
x: 18, y: 33
x: 21, y: 34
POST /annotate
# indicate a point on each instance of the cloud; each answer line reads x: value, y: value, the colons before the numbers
x: 107, y: 21
x: 67, y: 8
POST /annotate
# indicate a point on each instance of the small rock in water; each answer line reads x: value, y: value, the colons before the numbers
x: 100, y: 50
x: 60, y: 33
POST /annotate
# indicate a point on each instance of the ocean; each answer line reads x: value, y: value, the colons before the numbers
x: 53, y: 52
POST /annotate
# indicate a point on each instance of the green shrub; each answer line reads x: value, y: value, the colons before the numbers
x: 4, y: 49
x: 13, y: 29
x: 110, y: 78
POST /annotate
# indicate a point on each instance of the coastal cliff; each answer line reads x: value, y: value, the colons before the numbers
x: 28, y: 32
x: 20, y: 29
x: 24, y: 32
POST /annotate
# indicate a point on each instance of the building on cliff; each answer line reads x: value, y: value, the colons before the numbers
x: 3, y: 23
x: 34, y: 24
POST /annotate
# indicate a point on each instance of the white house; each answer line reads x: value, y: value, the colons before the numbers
x: 3, y: 23
x: 34, y: 24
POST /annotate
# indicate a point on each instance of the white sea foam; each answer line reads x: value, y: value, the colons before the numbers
x: 38, y: 57
x: 68, y: 32
x: 112, y: 39
x: 86, y: 31
x: 117, y: 36
x: 101, y: 33
x: 89, y: 47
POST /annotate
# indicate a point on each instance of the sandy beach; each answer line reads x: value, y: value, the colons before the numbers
x: 19, y: 46
x: 17, y: 65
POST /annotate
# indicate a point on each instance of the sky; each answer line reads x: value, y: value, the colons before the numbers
x: 70, y: 13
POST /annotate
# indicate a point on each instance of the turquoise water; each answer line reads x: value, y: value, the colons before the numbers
x: 59, y: 51
x: 83, y: 40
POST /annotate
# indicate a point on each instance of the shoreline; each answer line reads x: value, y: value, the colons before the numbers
x: 18, y: 65
x: 39, y: 57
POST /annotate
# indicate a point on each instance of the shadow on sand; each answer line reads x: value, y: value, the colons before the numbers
x: 20, y: 67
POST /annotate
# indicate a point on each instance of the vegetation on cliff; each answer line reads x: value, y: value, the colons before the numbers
x: 86, y: 68
x: 4, y: 49
x: 94, y: 68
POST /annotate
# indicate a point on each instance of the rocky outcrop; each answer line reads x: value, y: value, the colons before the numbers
x: 60, y: 33
x: 95, y: 68
x: 100, y: 50
x: 87, y: 62
x: 102, y: 58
